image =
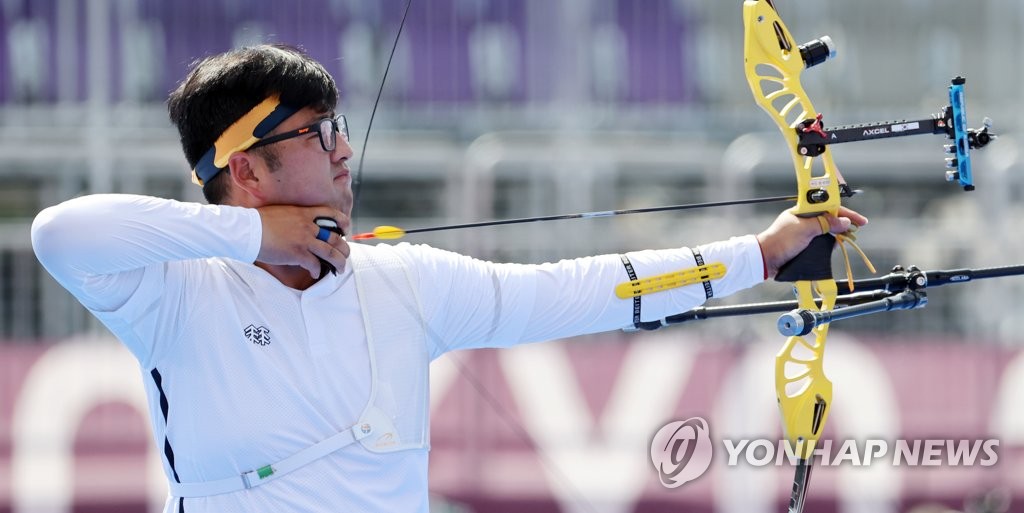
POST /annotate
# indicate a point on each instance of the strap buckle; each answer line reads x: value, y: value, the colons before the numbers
x: 261, y: 473
x: 245, y: 479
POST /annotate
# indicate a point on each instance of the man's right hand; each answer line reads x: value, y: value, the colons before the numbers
x: 289, y: 237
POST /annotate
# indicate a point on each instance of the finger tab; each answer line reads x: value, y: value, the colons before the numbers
x: 327, y: 223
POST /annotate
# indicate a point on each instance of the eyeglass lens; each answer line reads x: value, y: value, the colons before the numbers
x: 329, y: 129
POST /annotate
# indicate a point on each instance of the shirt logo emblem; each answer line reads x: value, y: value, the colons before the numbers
x: 259, y: 335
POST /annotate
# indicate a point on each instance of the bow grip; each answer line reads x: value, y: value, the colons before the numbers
x: 812, y: 264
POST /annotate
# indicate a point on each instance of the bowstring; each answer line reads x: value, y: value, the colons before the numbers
x: 357, y: 182
x: 474, y: 381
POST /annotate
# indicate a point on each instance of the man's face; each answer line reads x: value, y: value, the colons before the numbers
x: 307, y: 175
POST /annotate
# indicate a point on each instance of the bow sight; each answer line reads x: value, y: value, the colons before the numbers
x: 951, y: 121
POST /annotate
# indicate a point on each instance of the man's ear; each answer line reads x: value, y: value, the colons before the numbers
x: 244, y: 175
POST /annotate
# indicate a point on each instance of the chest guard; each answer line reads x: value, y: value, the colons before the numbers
x: 396, y: 416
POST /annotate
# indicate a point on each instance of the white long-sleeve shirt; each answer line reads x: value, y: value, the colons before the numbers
x: 176, y: 284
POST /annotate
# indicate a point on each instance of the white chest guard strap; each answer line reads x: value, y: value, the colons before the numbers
x: 373, y: 423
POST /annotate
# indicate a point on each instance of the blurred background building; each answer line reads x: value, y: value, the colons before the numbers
x: 511, y: 108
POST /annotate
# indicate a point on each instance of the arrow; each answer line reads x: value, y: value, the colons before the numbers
x: 394, y: 232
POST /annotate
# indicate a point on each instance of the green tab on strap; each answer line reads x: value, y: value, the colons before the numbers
x: 265, y: 472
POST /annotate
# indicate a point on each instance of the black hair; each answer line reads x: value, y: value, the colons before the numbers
x: 221, y: 88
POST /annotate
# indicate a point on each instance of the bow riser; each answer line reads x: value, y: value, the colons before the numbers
x: 773, y: 64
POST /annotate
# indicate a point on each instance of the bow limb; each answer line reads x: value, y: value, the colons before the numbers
x: 773, y: 64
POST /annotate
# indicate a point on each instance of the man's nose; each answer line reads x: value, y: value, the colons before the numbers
x: 342, y: 150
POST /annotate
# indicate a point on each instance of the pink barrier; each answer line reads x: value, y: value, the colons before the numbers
x: 483, y: 459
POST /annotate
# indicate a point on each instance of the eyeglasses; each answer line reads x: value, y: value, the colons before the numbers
x: 328, y: 129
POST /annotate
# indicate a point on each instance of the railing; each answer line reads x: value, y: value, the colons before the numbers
x: 415, y: 179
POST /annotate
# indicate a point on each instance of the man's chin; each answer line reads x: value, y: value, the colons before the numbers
x: 344, y: 205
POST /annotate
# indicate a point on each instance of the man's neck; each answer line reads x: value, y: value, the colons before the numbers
x: 290, y: 275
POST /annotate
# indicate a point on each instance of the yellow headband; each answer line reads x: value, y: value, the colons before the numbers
x: 241, y: 135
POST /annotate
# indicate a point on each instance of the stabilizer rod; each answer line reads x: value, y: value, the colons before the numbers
x: 901, y: 289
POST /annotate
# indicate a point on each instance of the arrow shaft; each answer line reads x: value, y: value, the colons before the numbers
x: 604, y: 213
